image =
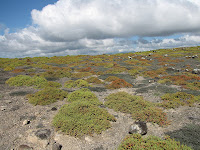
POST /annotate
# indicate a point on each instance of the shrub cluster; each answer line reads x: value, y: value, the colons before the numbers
x: 136, y: 142
x: 46, y: 96
x: 83, y: 95
x: 81, y: 117
x: 94, y: 80
x: 36, y: 82
x: 135, y: 105
x: 120, y: 83
x: 178, y: 99
x: 78, y: 83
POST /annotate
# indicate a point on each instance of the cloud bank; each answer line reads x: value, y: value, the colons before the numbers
x: 100, y: 26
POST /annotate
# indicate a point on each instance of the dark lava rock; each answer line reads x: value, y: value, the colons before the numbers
x: 53, y: 108
x: 43, y: 133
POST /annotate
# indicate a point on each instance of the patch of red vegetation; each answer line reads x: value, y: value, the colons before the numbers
x: 119, y: 83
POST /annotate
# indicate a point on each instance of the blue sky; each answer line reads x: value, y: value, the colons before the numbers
x: 30, y: 28
x: 16, y: 14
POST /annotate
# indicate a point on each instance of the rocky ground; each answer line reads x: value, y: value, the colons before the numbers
x: 25, y: 127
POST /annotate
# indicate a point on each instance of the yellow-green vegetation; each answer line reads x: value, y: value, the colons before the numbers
x: 178, y: 99
x: 19, y: 80
x: 81, y: 74
x: 83, y: 95
x: 137, y: 142
x: 78, y: 83
x: 94, y: 80
x: 36, y: 82
x: 60, y: 73
x: 192, y: 86
x: 135, y: 105
x: 82, y: 118
x: 164, y: 81
x: 111, y: 78
x: 47, y: 96
x: 133, y: 72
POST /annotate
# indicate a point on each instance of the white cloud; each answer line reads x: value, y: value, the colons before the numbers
x: 100, y: 26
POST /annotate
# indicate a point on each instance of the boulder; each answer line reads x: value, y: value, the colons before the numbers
x: 43, y: 134
x: 138, y: 127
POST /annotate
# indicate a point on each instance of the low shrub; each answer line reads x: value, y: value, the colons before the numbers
x: 59, y: 73
x: 133, y: 72
x: 94, y: 80
x: 18, y: 70
x: 192, y: 86
x: 19, y: 80
x: 83, y: 95
x: 82, y: 118
x: 9, y: 68
x: 136, y: 142
x: 78, y: 83
x: 81, y: 74
x: 120, y: 83
x: 135, y: 105
x: 36, y: 82
x: 178, y: 99
x: 111, y: 78
x: 47, y: 96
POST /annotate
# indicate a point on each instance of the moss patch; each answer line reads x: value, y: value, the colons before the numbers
x: 81, y: 117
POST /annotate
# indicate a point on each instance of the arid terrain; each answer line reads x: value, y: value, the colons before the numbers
x: 152, y: 74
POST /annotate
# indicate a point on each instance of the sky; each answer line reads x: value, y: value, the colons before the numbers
x: 34, y: 28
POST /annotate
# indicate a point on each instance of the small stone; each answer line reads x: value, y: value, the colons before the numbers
x: 24, y: 147
x: 56, y: 146
x: 138, y: 127
x: 25, y: 122
x: 43, y: 133
x: 3, y: 108
x: 8, y: 101
x: 53, y: 108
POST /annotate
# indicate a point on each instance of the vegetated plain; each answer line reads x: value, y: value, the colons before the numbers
x: 94, y: 99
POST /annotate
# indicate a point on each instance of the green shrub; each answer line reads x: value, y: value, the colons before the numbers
x: 46, y: 96
x: 81, y: 83
x: 136, y: 142
x: 60, y: 73
x: 9, y: 68
x: 37, y: 82
x: 178, y: 99
x: 135, y: 105
x: 19, y: 80
x: 94, y: 80
x: 133, y: 72
x: 69, y: 84
x: 81, y: 74
x: 78, y: 83
x: 83, y: 95
x: 82, y: 118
